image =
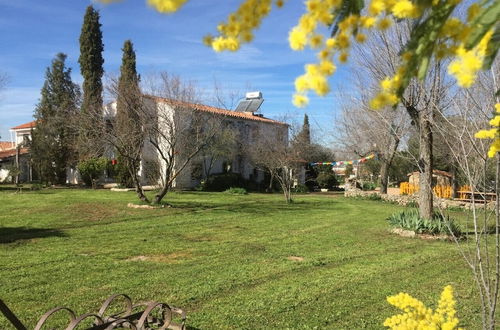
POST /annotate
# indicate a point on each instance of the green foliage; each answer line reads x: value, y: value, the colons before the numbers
x: 53, y: 139
x: 369, y: 186
x: 486, y: 19
x: 236, y: 191
x: 13, y: 171
x: 327, y: 180
x: 91, y: 169
x: 301, y: 189
x: 120, y: 173
x: 91, y: 61
x: 410, y: 219
x: 224, y: 181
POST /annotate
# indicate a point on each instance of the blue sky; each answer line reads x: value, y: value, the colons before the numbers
x: 33, y: 31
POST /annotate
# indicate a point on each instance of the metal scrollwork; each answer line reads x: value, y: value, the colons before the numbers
x: 143, y: 316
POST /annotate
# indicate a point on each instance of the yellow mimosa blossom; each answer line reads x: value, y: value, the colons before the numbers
x: 360, y: 37
x: 343, y: 57
x: 468, y: 62
x: 384, y: 23
x: 493, y: 133
x: 297, y: 39
x: 166, y: 6
x: 405, y: 9
x: 316, y: 41
x: 417, y: 316
x: 300, y: 100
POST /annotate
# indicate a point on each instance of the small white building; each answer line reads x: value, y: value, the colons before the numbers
x: 16, y: 154
x: 248, y: 124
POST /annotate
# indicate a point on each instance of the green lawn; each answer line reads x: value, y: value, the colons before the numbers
x: 223, y: 258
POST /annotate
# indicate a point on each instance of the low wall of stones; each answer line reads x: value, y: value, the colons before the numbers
x: 404, y: 200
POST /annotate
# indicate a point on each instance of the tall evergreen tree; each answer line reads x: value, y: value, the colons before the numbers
x: 306, y: 130
x: 91, y: 67
x: 128, y: 130
x: 52, y: 147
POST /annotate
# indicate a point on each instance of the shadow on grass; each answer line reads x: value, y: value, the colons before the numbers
x: 13, y: 234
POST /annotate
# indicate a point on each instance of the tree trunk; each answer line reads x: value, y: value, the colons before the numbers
x: 425, y: 165
x: 454, y: 181
x: 137, y: 183
x: 384, y: 169
x: 159, y: 196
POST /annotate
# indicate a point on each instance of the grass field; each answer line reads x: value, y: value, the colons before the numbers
x: 223, y: 258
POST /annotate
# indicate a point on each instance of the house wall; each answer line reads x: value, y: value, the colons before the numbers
x: 249, y: 131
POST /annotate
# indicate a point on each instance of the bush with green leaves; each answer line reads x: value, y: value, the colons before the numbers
x: 91, y: 169
x: 369, y: 186
x: 224, y: 181
x: 301, y: 189
x: 327, y: 180
x: 237, y: 191
x: 410, y: 219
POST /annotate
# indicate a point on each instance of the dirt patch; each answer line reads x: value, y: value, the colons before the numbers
x: 295, y: 258
x: 149, y: 207
x: 170, y: 258
x: 91, y: 211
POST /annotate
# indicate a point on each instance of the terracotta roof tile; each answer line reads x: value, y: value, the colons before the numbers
x: 12, y: 153
x: 26, y: 125
x: 6, y: 145
x: 219, y: 111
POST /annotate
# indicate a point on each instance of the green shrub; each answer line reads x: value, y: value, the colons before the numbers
x: 236, y: 191
x: 91, y: 169
x: 374, y: 197
x: 222, y: 182
x: 36, y: 186
x: 119, y: 172
x: 327, y: 180
x: 301, y: 189
x: 410, y: 219
x: 412, y: 203
x: 369, y: 186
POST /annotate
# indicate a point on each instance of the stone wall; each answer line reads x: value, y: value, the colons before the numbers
x: 410, y: 199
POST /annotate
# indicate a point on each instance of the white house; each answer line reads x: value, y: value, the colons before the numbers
x: 249, y: 125
x: 15, y: 153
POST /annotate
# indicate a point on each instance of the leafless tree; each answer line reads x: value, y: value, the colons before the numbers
x: 421, y: 100
x: 271, y: 152
x: 363, y: 131
x: 469, y: 111
x: 177, y: 127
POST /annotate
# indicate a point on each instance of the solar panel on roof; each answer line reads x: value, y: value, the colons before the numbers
x: 251, y: 105
x: 243, y: 105
x: 255, y: 105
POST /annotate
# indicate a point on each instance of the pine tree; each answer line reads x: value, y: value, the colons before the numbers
x: 91, y: 67
x: 52, y: 147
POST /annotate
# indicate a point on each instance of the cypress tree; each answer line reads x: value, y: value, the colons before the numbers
x: 128, y: 130
x: 91, y: 67
x: 52, y: 147
x: 306, y: 130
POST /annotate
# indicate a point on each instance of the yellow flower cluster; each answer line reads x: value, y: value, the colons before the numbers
x: 465, y: 67
x: 240, y: 25
x: 318, y: 15
x: 166, y: 6
x: 417, y: 316
x: 493, y: 133
x: 163, y: 6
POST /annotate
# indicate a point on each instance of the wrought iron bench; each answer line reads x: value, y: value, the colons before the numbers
x: 141, y: 316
